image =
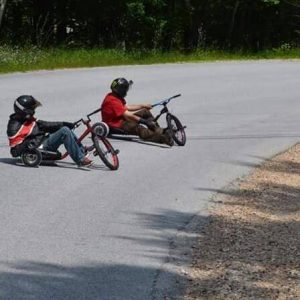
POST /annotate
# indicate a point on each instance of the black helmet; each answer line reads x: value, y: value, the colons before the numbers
x: 120, y: 86
x: 26, y: 105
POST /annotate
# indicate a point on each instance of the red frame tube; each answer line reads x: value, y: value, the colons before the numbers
x: 83, y: 135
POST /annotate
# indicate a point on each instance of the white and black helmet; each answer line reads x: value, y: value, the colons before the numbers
x: 26, y: 105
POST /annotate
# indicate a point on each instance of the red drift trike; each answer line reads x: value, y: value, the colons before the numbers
x: 98, y: 145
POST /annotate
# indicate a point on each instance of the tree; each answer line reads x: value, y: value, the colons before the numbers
x: 151, y: 24
x: 2, y: 8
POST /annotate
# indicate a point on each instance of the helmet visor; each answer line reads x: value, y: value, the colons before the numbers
x: 37, y: 104
x: 130, y: 84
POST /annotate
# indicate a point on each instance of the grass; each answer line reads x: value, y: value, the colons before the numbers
x: 13, y: 59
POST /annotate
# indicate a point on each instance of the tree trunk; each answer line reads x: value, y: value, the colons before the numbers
x: 2, y: 7
x: 231, y: 27
x: 168, y: 33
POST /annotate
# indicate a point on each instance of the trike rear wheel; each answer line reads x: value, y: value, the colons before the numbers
x: 31, y: 158
x: 106, y: 152
x: 178, y: 132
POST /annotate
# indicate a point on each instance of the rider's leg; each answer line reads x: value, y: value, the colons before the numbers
x: 160, y: 135
x: 67, y: 137
x: 146, y: 134
x: 145, y: 114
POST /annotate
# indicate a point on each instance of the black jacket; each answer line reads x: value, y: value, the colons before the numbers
x: 37, y: 135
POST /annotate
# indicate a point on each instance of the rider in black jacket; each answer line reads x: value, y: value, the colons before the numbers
x: 25, y: 131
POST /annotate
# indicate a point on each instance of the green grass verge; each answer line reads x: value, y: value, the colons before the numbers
x: 27, y: 59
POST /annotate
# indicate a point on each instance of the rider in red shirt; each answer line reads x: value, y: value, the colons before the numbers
x: 131, y: 118
x: 113, y: 108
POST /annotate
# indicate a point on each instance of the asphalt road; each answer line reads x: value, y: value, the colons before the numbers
x: 67, y: 233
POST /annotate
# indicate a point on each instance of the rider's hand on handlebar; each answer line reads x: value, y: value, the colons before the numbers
x: 147, y: 106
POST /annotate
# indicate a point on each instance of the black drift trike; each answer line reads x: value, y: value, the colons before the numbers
x: 173, y: 123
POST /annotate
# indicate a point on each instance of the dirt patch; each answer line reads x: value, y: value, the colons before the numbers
x: 251, y: 247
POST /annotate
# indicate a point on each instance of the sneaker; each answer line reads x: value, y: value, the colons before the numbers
x: 88, y: 149
x: 86, y: 162
x: 168, y: 138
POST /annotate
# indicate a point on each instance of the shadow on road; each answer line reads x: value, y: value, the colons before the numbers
x: 278, y: 166
x: 34, y: 280
x: 37, y: 280
x: 267, y: 197
x: 16, y: 162
x: 169, y: 232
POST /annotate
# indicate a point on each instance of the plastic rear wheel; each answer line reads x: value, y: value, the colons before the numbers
x: 31, y: 158
x: 106, y: 152
x: 178, y: 132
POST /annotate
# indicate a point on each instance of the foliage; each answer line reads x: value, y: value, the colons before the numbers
x: 273, y: 2
x: 25, y: 59
x: 152, y: 24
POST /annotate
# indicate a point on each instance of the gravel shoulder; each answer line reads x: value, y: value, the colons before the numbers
x: 250, y: 248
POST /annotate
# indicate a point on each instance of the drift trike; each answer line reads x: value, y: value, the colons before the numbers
x: 173, y: 123
x: 98, y: 145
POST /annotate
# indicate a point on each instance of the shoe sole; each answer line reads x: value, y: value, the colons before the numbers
x: 85, y: 166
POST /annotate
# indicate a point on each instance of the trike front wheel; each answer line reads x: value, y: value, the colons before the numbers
x: 106, y: 152
x: 177, y: 130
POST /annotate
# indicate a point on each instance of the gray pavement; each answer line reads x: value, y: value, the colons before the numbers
x: 67, y: 233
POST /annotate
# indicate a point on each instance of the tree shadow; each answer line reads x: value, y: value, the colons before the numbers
x: 263, y: 252
x: 282, y: 166
x: 252, y: 246
x: 278, y: 199
x: 36, y: 280
x: 243, y: 260
x: 171, y: 239
x: 169, y: 235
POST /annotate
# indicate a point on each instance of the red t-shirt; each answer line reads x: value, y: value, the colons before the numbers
x: 112, y: 110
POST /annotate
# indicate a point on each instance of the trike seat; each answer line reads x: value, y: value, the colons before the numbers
x: 50, y: 155
x: 114, y: 130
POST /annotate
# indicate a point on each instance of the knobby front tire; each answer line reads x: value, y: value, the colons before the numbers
x: 178, y: 132
x: 106, y: 152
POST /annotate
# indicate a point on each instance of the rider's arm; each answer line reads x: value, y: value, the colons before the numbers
x: 49, y: 127
x: 135, y: 107
x: 129, y: 116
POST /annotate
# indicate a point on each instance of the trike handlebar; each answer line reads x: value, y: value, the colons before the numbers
x: 94, y: 112
x: 77, y: 123
x: 165, y: 101
x: 178, y: 95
